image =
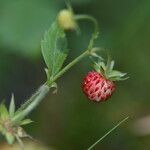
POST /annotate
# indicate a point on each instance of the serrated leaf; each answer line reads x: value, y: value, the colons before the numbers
x: 25, y: 122
x: 3, y: 112
x: 54, y: 48
x: 12, y: 106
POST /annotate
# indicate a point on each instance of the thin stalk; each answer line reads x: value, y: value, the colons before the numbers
x: 76, y: 60
x: 111, y: 130
x: 96, y: 29
x: 20, y: 143
x: 68, y: 4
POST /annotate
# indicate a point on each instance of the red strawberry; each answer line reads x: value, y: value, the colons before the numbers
x: 98, y: 85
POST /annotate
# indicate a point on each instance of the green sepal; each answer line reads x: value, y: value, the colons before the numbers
x: 110, y: 65
x: 118, y: 78
x: 115, y: 73
x: 95, y: 55
x: 3, y: 112
x: 10, y: 138
x: 25, y: 122
x: 100, y: 67
x: 107, y: 70
x: 1, y: 128
x: 12, y: 106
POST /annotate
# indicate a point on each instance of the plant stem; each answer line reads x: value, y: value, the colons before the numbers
x: 32, y: 103
x: 28, y: 102
x: 91, y: 147
x: 76, y: 60
x: 42, y: 92
x: 20, y: 143
x: 96, y: 29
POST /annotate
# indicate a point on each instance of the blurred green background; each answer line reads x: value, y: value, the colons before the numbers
x: 68, y: 121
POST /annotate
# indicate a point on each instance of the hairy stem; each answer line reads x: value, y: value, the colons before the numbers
x: 42, y: 92
x: 28, y: 102
x: 36, y: 98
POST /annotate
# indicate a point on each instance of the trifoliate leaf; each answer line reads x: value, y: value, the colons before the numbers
x: 10, y: 138
x: 25, y: 122
x: 54, y: 48
x: 3, y: 112
x: 12, y: 106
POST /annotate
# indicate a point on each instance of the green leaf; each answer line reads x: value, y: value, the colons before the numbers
x: 54, y: 48
x: 25, y: 122
x: 111, y: 66
x: 3, y: 112
x: 12, y: 106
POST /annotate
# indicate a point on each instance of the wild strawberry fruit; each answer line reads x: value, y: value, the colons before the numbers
x: 99, y: 85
